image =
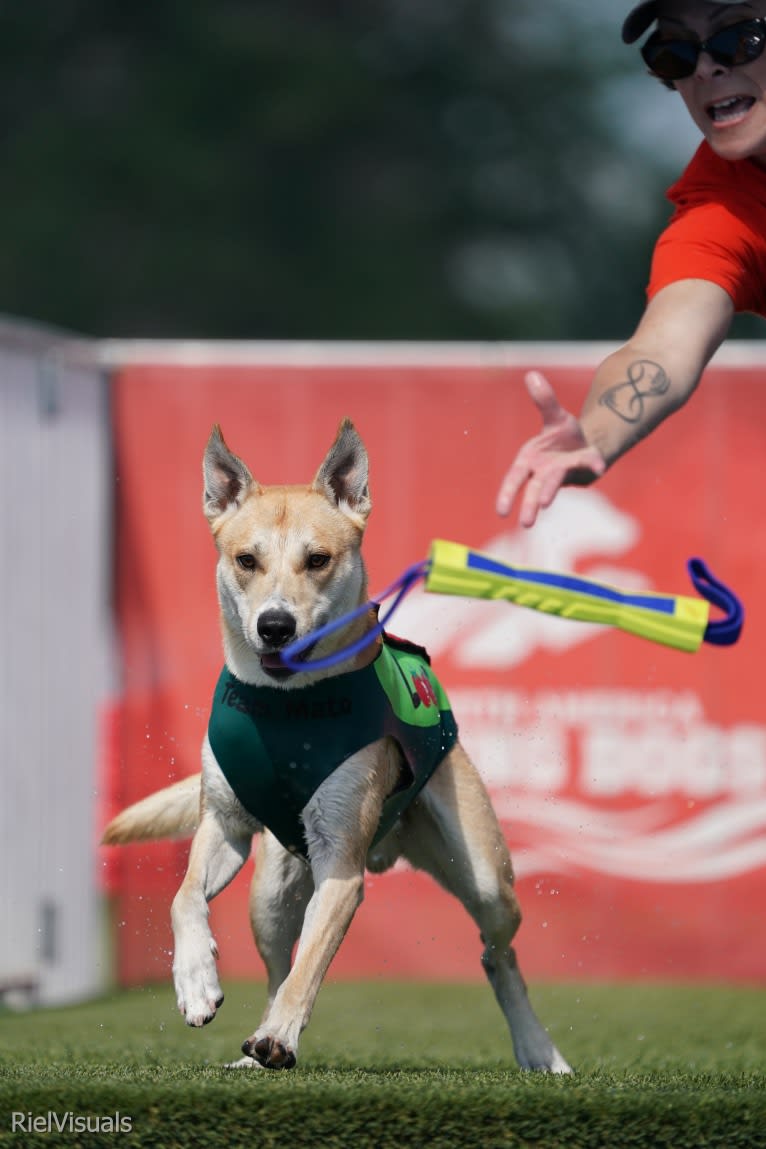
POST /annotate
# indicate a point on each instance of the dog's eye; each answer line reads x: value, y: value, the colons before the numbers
x: 246, y: 561
x: 316, y: 561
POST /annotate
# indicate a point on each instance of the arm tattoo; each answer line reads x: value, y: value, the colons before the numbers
x: 627, y: 399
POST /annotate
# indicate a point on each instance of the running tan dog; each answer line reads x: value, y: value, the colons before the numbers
x: 330, y: 803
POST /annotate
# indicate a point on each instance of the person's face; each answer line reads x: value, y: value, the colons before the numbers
x: 728, y: 105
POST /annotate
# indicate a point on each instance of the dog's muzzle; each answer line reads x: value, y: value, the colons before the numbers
x: 276, y: 629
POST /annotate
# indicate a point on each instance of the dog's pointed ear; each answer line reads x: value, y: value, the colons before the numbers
x: 343, y: 475
x: 227, y: 479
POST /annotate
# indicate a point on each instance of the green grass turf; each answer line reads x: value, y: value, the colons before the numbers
x: 386, y: 1065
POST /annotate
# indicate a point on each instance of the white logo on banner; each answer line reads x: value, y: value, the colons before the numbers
x: 695, y: 793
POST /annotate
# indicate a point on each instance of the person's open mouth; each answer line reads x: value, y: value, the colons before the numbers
x: 730, y: 110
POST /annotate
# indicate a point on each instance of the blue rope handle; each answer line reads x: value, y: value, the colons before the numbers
x: 723, y: 631
x: 403, y: 585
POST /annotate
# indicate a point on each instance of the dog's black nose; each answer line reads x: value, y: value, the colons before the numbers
x: 276, y: 627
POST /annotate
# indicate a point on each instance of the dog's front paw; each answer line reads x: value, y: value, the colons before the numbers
x: 199, y: 1007
x: 269, y: 1052
x: 198, y: 991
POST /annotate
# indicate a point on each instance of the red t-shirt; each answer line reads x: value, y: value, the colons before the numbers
x: 717, y: 231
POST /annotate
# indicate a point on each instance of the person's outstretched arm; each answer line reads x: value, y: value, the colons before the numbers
x: 632, y: 392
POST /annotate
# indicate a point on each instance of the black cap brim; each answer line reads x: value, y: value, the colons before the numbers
x: 639, y: 19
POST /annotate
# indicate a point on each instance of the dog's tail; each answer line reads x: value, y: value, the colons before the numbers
x: 170, y: 813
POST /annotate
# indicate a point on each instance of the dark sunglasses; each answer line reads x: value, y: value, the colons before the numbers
x: 677, y: 59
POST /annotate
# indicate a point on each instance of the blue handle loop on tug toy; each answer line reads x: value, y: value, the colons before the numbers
x: 723, y: 631
x: 672, y: 620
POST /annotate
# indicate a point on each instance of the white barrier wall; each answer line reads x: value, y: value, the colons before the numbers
x: 54, y: 670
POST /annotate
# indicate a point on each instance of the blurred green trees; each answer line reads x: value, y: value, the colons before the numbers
x: 331, y: 169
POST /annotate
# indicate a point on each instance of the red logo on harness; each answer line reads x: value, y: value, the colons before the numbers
x: 425, y: 691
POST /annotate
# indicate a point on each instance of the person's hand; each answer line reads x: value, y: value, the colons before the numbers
x: 558, y: 455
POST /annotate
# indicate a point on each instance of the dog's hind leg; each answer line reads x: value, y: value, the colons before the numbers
x: 280, y: 892
x: 451, y: 831
x: 340, y: 821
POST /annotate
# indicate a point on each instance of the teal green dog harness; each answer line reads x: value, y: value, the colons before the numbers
x: 276, y: 747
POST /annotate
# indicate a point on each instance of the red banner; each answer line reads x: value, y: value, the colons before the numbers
x: 630, y: 779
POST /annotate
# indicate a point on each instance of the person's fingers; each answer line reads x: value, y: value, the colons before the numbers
x: 512, y: 483
x: 544, y: 398
x: 542, y: 483
x: 549, y: 486
x: 594, y: 461
x: 587, y: 464
x: 550, y: 459
x: 530, y: 503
